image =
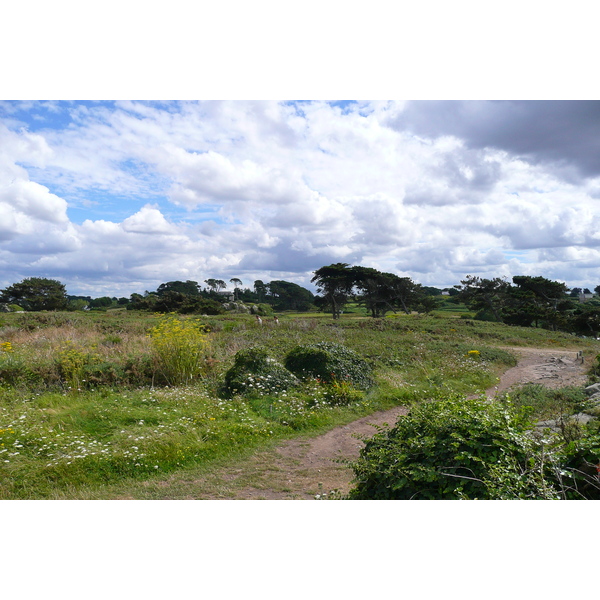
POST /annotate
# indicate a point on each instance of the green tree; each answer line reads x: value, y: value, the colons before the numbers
x: 260, y: 289
x: 102, y: 302
x: 541, y: 299
x: 36, y: 293
x: 487, y: 295
x: 335, y: 283
x: 235, y: 282
x: 216, y: 285
x: 189, y: 288
x: 290, y: 296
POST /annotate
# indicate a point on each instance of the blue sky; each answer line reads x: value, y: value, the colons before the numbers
x: 116, y: 197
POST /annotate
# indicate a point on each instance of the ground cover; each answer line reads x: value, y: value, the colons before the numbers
x: 86, y: 409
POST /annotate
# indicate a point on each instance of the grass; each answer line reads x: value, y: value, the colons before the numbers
x: 85, y: 411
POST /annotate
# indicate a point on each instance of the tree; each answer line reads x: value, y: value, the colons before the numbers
x: 485, y: 295
x: 260, y: 289
x: 216, y: 285
x: 235, y: 282
x: 335, y: 282
x: 382, y: 292
x: 542, y: 299
x: 374, y: 290
x: 189, y: 288
x: 36, y: 293
x: 290, y: 296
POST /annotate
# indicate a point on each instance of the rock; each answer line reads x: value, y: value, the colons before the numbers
x: 581, y: 418
x: 551, y: 424
x: 593, y: 389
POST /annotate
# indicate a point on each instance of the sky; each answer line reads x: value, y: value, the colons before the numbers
x: 252, y: 142
x: 116, y: 197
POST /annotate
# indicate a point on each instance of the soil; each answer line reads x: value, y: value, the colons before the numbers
x: 305, y: 468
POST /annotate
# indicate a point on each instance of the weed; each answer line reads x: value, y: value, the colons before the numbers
x: 180, y: 348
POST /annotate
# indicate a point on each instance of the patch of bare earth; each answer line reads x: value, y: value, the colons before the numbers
x: 548, y: 367
x: 302, y: 468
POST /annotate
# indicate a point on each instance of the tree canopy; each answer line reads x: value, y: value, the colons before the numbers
x: 334, y: 283
x: 36, y: 293
x: 378, y: 292
x: 530, y: 301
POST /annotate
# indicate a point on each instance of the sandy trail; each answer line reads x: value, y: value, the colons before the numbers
x: 304, y: 467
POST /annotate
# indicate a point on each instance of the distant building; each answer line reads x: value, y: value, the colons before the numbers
x: 229, y: 296
x: 584, y: 297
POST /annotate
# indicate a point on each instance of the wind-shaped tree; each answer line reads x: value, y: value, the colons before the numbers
x: 334, y: 282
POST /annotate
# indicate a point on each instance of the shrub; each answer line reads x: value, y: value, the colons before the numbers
x: 180, y: 348
x: 579, y: 475
x: 456, y: 449
x: 72, y: 361
x: 330, y: 363
x: 255, y: 371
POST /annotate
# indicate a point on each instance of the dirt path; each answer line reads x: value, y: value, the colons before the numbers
x: 305, y: 467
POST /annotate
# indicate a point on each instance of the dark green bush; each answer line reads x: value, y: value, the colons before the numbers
x: 580, y: 462
x: 457, y: 449
x: 330, y: 363
x: 254, y: 371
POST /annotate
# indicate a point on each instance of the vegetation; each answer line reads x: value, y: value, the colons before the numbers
x: 255, y: 372
x: 90, y: 403
x: 36, y: 293
x: 529, y: 302
x: 184, y: 378
x: 456, y: 448
x: 330, y: 363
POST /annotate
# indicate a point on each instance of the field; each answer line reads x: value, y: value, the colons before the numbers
x: 93, y: 405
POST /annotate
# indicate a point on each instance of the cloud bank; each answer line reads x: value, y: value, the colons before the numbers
x: 117, y: 197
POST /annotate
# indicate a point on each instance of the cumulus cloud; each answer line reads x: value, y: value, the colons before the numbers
x: 132, y: 194
x: 563, y: 133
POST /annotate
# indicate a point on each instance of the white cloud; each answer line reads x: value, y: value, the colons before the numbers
x: 148, y: 220
x: 274, y: 190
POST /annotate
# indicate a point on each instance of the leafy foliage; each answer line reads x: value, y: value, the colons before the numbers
x: 334, y: 283
x: 455, y: 449
x: 290, y: 296
x: 36, y: 293
x: 180, y: 348
x: 531, y: 301
x: 330, y: 362
x: 254, y: 370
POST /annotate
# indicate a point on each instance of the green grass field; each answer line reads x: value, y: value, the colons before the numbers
x: 88, y: 409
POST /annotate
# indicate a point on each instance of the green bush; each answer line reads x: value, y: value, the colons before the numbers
x: 331, y: 363
x: 180, y: 348
x: 457, y: 449
x: 254, y: 371
x: 580, y: 462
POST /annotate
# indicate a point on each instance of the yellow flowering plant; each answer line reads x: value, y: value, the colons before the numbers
x: 72, y: 361
x: 180, y: 348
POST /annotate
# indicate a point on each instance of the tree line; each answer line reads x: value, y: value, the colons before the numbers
x: 378, y: 292
x: 527, y: 301
x: 530, y: 301
x: 37, y: 293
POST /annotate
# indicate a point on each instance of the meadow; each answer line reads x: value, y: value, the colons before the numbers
x: 95, y: 404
